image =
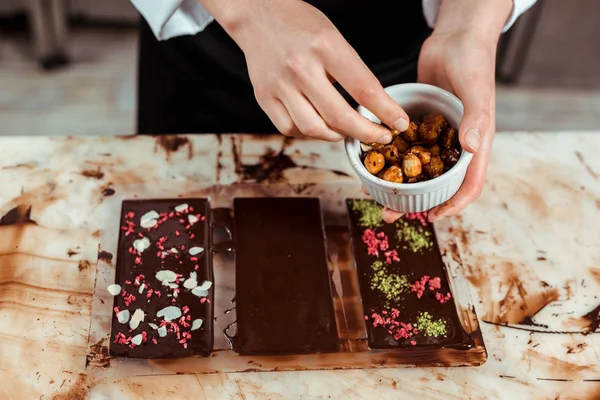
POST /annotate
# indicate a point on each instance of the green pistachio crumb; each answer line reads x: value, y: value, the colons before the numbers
x: 414, y: 237
x: 429, y: 327
x: 370, y: 212
x: 389, y: 284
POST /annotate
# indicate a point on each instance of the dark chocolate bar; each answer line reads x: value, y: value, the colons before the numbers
x: 283, y: 293
x: 403, y: 283
x: 164, y: 285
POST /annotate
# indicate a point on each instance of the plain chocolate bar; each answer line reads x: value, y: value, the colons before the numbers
x: 283, y: 294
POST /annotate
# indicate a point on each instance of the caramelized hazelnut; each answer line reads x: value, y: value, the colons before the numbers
x: 395, y: 132
x: 449, y: 138
x: 391, y: 154
x: 401, y: 144
x: 450, y: 156
x: 368, y: 146
x: 435, y: 168
x: 412, y: 133
x: 419, y: 178
x: 374, y: 161
x: 411, y: 165
x: 437, y: 119
x: 421, y: 152
x: 429, y: 133
x: 434, y: 149
x: 392, y: 174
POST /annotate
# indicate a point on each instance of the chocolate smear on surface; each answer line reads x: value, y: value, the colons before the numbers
x: 172, y: 144
x: 105, y: 256
x: 93, y: 173
x: 18, y: 215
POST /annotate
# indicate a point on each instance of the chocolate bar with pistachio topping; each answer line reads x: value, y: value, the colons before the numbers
x: 403, y: 283
x: 164, y: 282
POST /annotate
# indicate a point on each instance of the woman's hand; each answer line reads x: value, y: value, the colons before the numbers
x: 294, y: 53
x: 460, y: 57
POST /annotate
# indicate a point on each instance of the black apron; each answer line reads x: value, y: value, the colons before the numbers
x: 200, y: 83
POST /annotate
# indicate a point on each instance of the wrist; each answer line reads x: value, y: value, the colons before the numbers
x: 485, y: 19
x: 233, y: 16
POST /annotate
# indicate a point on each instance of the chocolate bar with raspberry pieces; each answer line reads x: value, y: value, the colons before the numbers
x: 164, y: 282
x: 403, y: 283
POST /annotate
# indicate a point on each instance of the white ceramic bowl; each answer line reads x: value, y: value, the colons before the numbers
x: 416, y: 99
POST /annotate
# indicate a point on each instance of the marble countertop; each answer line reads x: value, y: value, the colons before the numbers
x: 530, y: 247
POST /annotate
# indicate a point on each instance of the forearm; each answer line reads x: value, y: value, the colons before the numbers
x: 485, y: 19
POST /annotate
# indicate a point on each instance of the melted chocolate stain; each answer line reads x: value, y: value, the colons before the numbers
x: 108, y: 191
x: 172, y: 143
x: 93, y: 173
x: 284, y: 301
x: 593, y: 318
x: 414, y: 265
x: 105, y: 256
x: 271, y: 164
x: 201, y: 341
x: 99, y: 355
x: 18, y: 215
x: 270, y: 167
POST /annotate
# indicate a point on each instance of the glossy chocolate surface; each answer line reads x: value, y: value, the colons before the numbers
x: 180, y: 231
x: 283, y: 294
x: 414, y: 265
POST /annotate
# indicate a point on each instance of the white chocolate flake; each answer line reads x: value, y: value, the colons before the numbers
x: 198, y: 291
x: 149, y: 220
x: 123, y: 316
x: 181, y: 207
x: 169, y: 313
x: 192, y: 218
x: 162, y: 331
x: 166, y: 275
x: 196, y: 324
x: 138, y: 316
x: 137, y: 339
x: 196, y: 250
x: 191, y: 282
x: 153, y: 326
x: 114, y: 289
x: 142, y: 287
x: 141, y: 244
x: 206, y: 285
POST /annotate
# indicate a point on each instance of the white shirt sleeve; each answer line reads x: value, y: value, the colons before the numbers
x: 171, y: 18
x: 432, y: 7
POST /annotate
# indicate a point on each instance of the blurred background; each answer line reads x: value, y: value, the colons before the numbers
x: 68, y: 67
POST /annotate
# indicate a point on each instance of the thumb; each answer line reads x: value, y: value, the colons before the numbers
x: 477, y: 99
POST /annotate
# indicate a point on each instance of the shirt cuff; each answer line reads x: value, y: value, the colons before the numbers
x: 431, y: 9
x: 171, y: 18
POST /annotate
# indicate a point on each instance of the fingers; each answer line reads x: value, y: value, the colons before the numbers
x: 349, y: 71
x: 390, y: 216
x: 476, y: 94
x: 475, y: 178
x: 306, y: 118
x: 338, y: 114
x: 280, y: 117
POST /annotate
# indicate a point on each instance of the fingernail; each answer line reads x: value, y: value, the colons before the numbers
x: 472, y: 138
x: 385, y: 139
x: 401, y: 124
